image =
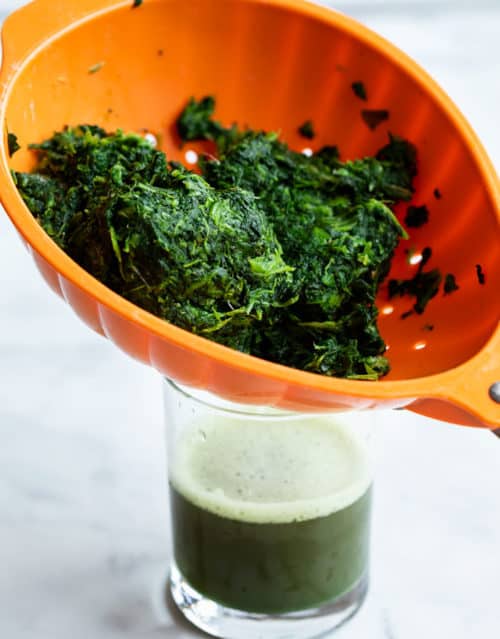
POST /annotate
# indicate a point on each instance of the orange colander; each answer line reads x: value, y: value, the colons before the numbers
x: 271, y: 64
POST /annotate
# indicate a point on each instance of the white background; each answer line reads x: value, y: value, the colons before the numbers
x: 83, y: 508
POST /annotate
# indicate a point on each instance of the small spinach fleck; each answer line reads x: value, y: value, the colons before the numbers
x: 423, y: 286
x: 306, y: 130
x: 374, y: 117
x: 416, y: 216
x: 359, y: 90
x: 12, y: 144
x: 450, y: 284
x: 480, y: 274
x: 95, y: 67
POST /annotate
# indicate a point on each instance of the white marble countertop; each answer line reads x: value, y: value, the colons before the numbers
x: 83, y: 507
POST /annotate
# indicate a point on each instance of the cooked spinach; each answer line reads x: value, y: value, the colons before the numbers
x: 267, y: 251
x: 306, y: 130
x: 196, y: 123
x: 423, y: 286
x: 480, y: 274
x: 359, y: 90
x: 95, y: 68
x: 374, y: 117
x: 12, y: 144
x: 205, y: 259
x: 450, y: 284
x: 416, y: 216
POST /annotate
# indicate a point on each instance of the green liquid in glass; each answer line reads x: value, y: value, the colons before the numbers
x: 271, y: 517
x: 271, y: 568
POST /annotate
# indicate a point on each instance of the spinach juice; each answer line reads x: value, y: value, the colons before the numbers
x: 271, y: 517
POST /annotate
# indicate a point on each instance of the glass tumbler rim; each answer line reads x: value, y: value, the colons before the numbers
x: 213, y: 402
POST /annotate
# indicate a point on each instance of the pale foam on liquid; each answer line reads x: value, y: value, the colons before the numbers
x: 270, y: 471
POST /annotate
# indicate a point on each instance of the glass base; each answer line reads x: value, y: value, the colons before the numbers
x: 227, y: 623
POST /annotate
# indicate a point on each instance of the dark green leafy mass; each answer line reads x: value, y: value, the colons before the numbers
x: 207, y: 260
x: 267, y: 251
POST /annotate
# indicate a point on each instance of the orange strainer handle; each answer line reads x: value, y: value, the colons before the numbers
x: 469, y: 394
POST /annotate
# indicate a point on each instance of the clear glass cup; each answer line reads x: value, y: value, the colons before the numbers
x: 270, y: 515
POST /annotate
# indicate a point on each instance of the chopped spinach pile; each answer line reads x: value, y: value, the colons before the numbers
x: 267, y: 251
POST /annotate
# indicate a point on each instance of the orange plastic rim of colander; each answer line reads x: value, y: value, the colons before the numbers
x: 457, y: 395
